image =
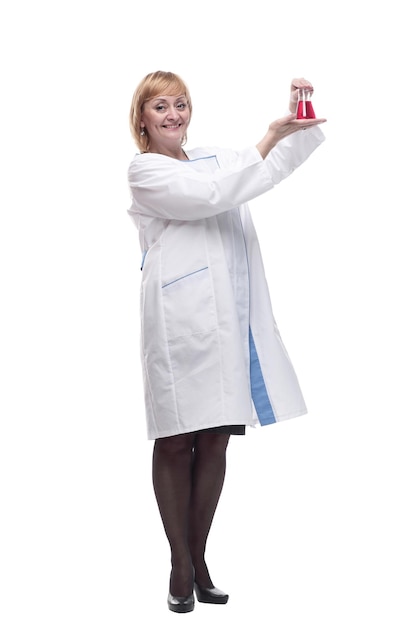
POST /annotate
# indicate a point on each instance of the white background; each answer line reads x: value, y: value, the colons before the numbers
x: 317, y: 520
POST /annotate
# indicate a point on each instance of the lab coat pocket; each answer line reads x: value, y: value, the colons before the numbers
x: 188, y: 303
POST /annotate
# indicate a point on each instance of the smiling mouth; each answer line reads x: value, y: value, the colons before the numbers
x: 171, y: 126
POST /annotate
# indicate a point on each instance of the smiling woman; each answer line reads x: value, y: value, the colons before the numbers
x: 162, y: 103
x: 213, y: 359
x: 165, y: 120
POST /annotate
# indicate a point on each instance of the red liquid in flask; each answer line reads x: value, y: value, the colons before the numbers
x: 305, y: 110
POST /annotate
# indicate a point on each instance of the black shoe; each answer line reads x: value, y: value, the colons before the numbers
x: 210, y: 596
x: 181, y: 604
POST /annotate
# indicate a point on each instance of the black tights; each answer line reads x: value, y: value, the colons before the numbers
x: 188, y: 477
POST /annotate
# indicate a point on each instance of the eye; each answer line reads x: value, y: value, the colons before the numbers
x: 182, y: 105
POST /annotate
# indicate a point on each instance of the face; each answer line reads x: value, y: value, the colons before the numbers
x: 166, y: 120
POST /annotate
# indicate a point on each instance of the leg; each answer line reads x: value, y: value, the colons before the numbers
x: 172, y: 467
x: 209, y: 469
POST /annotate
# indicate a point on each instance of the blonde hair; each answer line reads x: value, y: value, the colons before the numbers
x: 153, y: 85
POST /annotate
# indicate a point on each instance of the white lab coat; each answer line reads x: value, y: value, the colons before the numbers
x: 211, y: 352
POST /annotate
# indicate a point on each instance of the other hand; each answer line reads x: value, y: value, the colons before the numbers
x: 296, y: 84
x: 282, y: 128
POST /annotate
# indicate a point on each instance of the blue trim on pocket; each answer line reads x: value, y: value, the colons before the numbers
x: 185, y: 276
x: 258, y: 389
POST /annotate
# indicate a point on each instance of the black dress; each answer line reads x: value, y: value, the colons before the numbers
x: 229, y: 430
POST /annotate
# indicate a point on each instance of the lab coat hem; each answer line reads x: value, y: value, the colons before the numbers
x: 172, y: 432
x: 282, y: 418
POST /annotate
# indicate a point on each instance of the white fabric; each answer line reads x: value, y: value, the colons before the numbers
x: 203, y: 287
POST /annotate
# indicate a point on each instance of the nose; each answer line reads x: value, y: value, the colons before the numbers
x: 172, y: 113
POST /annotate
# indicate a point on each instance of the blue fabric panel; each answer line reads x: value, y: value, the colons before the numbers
x: 259, y: 393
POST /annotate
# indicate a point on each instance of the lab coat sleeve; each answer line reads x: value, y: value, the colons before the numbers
x: 171, y: 189
x: 291, y: 152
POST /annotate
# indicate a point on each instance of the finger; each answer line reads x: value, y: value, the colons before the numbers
x: 301, y: 83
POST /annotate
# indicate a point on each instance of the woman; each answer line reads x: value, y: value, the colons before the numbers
x: 213, y: 360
